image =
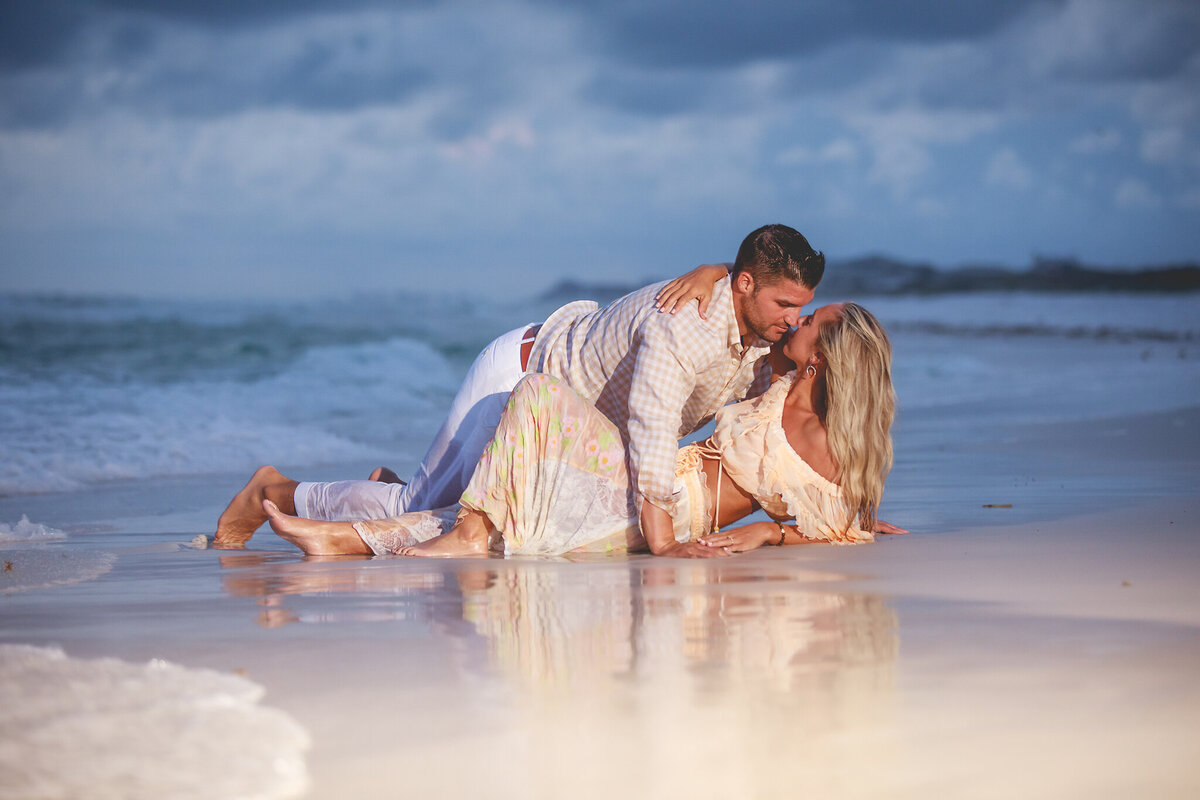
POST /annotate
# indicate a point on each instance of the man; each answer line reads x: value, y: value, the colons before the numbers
x: 658, y: 377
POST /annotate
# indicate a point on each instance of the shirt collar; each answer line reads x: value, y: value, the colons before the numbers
x: 722, y: 302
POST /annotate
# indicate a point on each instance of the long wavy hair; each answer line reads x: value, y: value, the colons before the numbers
x: 860, y: 405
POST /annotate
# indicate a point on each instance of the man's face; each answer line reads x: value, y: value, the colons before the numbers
x: 769, y: 311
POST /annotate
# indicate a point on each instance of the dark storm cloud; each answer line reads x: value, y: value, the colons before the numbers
x: 1040, y: 67
x: 316, y: 74
x: 647, y: 57
x: 667, y: 57
x: 686, y: 33
x: 34, y: 34
x: 41, y: 33
x: 236, y: 13
x: 648, y: 94
x: 671, y: 56
x: 319, y: 68
x: 1154, y: 40
x: 659, y: 92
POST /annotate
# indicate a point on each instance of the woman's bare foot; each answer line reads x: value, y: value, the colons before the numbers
x: 244, y: 514
x: 385, y: 475
x: 316, y: 537
x: 467, y: 539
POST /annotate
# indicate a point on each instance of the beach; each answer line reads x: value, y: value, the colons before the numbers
x: 1035, y: 635
x: 240, y: 235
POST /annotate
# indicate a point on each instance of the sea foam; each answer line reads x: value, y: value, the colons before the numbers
x: 106, y: 728
x: 25, y: 531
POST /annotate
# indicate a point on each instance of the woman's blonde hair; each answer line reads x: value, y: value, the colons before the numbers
x: 860, y: 404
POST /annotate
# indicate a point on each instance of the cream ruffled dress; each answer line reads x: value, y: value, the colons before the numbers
x: 755, y: 452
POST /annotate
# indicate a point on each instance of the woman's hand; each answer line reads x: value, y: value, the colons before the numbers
x: 696, y: 285
x: 743, y: 538
x: 887, y: 527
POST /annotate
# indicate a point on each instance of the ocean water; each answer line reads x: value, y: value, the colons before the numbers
x: 96, y: 390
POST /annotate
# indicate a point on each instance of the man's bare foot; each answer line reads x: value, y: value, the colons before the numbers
x: 244, y: 514
x: 316, y: 537
x: 467, y: 539
x: 385, y: 475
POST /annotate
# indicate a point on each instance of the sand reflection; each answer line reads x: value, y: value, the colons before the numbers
x: 553, y: 629
x: 700, y: 676
x: 554, y: 626
x: 379, y: 593
x: 749, y: 679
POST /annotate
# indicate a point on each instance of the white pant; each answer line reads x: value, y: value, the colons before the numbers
x: 447, y: 468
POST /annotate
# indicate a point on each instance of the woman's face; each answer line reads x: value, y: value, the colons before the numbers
x: 802, y: 345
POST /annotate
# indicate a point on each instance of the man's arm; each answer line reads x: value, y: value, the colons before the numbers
x: 663, y: 379
x: 659, y: 532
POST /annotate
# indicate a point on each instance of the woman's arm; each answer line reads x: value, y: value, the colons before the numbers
x: 754, y: 535
x: 696, y: 285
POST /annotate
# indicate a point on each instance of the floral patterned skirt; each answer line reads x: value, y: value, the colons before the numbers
x: 553, y: 480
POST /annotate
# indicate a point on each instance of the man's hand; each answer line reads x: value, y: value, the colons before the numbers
x: 693, y: 550
x: 659, y: 533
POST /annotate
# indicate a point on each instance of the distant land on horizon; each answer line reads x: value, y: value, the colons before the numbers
x: 881, y: 275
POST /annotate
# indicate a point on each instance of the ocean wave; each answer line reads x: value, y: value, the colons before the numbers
x: 373, y: 400
x: 25, y: 531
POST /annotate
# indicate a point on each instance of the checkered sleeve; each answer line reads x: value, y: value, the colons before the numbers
x: 664, y: 377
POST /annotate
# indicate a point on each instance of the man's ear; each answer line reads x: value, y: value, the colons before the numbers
x: 744, y: 282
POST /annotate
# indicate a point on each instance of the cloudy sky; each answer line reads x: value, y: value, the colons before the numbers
x: 235, y: 147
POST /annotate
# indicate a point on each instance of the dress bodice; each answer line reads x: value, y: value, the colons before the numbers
x: 756, y: 454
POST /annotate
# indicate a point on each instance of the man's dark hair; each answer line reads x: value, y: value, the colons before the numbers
x: 776, y: 252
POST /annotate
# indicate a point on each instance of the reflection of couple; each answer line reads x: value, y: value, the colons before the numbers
x: 585, y: 456
x: 552, y: 631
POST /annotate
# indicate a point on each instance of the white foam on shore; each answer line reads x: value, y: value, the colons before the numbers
x: 26, y: 531
x: 40, y: 568
x: 107, y: 728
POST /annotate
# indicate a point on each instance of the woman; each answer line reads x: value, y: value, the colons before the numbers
x: 812, y: 451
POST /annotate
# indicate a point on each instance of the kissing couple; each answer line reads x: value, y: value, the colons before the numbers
x: 564, y: 438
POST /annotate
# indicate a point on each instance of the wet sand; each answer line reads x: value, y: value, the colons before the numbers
x: 1043, y: 650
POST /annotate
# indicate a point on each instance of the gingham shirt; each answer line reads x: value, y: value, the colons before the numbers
x: 657, y: 376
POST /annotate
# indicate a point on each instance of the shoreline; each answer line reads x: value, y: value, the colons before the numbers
x: 1059, y: 635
